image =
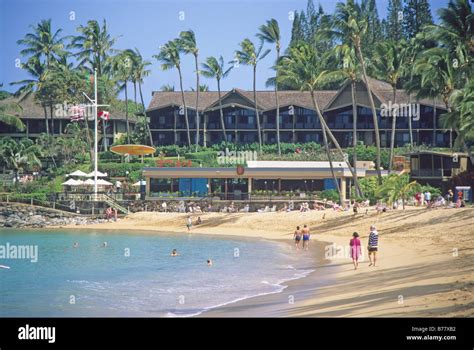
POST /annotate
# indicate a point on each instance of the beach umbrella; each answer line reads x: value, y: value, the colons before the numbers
x: 102, y: 182
x: 88, y: 182
x: 78, y: 173
x: 72, y: 182
x: 99, y: 174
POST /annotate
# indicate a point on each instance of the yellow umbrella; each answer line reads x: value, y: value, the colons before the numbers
x: 133, y: 150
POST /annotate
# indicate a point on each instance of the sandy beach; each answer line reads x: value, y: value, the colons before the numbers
x: 425, y: 266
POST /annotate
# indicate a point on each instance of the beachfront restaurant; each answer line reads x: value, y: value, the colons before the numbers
x: 239, y: 183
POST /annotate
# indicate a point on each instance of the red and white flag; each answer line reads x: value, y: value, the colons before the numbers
x: 104, y: 115
x: 77, y: 113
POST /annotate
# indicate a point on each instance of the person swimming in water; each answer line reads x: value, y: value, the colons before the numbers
x: 209, y: 262
x: 104, y: 244
x: 76, y: 245
x: 174, y: 252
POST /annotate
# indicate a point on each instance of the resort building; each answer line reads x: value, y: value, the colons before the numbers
x: 33, y: 116
x: 238, y: 183
x: 298, y: 120
x: 438, y: 168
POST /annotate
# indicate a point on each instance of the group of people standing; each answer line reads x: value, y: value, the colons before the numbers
x: 372, y: 247
x: 302, y: 235
x: 355, y: 244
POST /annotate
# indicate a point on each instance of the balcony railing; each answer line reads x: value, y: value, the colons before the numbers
x: 431, y: 172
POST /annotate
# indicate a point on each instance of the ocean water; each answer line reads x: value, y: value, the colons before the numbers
x: 135, y: 276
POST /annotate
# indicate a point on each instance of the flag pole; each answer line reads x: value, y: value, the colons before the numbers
x: 96, y: 155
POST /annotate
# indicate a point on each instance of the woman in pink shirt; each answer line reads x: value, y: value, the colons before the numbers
x: 356, y: 249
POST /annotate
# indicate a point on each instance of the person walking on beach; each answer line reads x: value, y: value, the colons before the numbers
x: 297, y: 237
x: 189, y: 223
x: 356, y: 249
x: 306, y: 235
x: 450, y: 196
x: 373, y: 245
x: 428, y: 198
x: 355, y: 208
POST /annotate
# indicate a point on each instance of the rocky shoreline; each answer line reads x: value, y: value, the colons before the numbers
x: 13, y: 215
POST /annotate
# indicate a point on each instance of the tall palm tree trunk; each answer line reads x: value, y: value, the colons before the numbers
x: 126, y: 114
x: 256, y: 108
x: 197, y: 102
x: 277, y: 105
x: 45, y: 110
x: 374, y: 113
x: 392, y: 136
x: 354, y: 140
x: 135, y: 92
x: 334, y: 140
x: 326, y: 146
x: 434, y: 122
x: 52, y: 118
x: 220, y: 110
x: 410, y: 128
x: 186, y: 120
x: 150, y: 136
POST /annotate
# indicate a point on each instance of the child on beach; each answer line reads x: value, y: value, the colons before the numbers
x: 356, y: 249
x: 306, y: 235
x: 297, y: 237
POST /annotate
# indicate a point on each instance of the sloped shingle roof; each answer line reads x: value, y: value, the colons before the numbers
x: 266, y: 99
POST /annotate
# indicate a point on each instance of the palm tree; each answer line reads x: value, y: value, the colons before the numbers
x: 250, y: 55
x: 439, y: 76
x: 139, y: 72
x: 122, y: 66
x: 214, y: 68
x: 202, y: 88
x: 8, y: 117
x: 461, y: 117
x: 270, y: 33
x: 43, y: 43
x: 349, y: 72
x: 170, y: 58
x: 463, y: 100
x: 187, y: 40
x: 35, y: 84
x: 167, y: 88
x: 95, y: 44
x: 397, y: 187
x: 456, y: 31
x: 44, y: 48
x: 302, y: 68
x: 388, y: 63
x: 19, y: 155
x: 350, y: 26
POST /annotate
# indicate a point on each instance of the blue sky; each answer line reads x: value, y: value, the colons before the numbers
x: 146, y: 24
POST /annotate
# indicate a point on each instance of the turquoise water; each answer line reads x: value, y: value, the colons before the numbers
x: 92, y: 280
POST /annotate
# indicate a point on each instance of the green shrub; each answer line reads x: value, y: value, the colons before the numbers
x: 331, y: 195
x: 206, y: 158
x: 26, y: 196
x: 120, y: 169
x: 435, y: 192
